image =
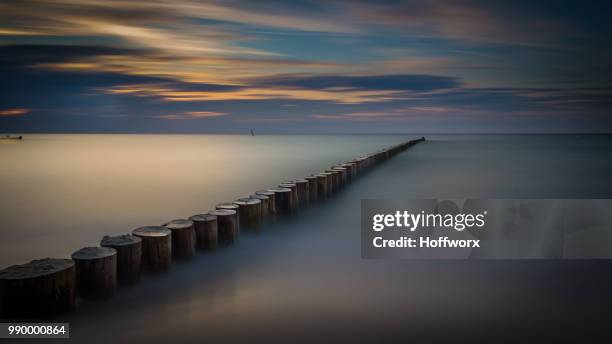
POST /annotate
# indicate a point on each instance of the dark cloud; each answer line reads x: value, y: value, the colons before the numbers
x: 407, y: 82
x: 550, y: 57
x: 24, y: 84
x: 16, y: 55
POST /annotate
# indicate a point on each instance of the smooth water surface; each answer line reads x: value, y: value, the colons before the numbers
x: 62, y: 192
x: 304, y: 280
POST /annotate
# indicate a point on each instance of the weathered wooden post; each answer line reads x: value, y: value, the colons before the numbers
x: 323, y: 185
x: 129, y: 256
x: 343, y: 175
x: 340, y: 177
x: 272, y: 196
x: 356, y: 168
x: 265, y: 205
x: 227, y: 224
x: 40, y: 288
x: 183, y: 238
x: 361, y: 165
x: 96, y: 272
x: 334, y: 177
x: 284, y: 201
x: 250, y: 212
x: 206, y: 231
x: 303, y: 191
x: 294, y: 193
x: 312, y: 189
x: 156, y: 247
x: 234, y: 207
x: 350, y: 171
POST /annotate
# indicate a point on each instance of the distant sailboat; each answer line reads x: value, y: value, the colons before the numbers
x: 252, y: 132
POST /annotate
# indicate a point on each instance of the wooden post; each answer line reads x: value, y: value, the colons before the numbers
x: 129, y: 256
x: 361, y: 166
x: 206, y: 231
x: 96, y: 272
x: 284, y: 201
x: 343, y: 175
x: 323, y: 185
x: 250, y: 212
x: 227, y: 225
x: 40, y: 288
x: 303, y: 191
x: 330, y: 183
x: 339, y: 178
x: 312, y: 188
x: 271, y: 195
x: 335, y: 180
x: 156, y: 247
x: 356, y: 168
x: 366, y: 162
x: 265, y: 205
x: 234, y: 207
x: 350, y: 171
x: 183, y: 238
x: 294, y: 193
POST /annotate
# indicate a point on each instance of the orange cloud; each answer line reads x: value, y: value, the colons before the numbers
x: 343, y: 96
x: 13, y: 112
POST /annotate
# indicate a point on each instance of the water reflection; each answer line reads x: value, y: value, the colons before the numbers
x: 62, y: 192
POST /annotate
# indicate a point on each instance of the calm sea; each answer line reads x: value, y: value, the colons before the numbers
x: 302, y: 279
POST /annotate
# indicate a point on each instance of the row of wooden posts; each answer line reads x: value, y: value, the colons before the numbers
x: 48, y: 286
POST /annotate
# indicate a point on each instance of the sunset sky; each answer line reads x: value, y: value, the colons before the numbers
x: 305, y: 66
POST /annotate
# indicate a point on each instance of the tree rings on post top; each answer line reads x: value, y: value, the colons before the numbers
x: 230, y: 206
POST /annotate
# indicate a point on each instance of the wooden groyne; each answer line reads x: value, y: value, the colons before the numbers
x: 49, y: 287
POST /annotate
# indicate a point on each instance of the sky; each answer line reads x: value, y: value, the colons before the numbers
x: 315, y: 66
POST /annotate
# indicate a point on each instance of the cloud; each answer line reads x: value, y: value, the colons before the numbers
x: 335, y: 61
x: 13, y: 112
x: 345, y: 96
x: 28, y: 55
x: 410, y: 82
x: 516, y: 23
x: 192, y: 115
